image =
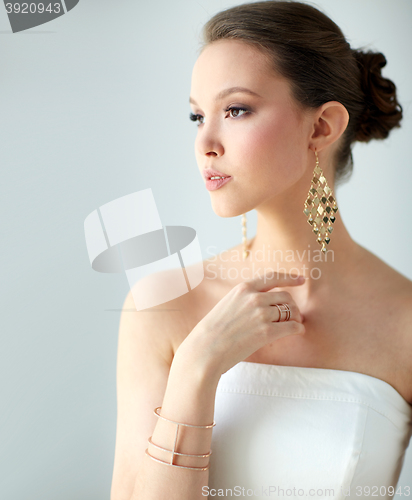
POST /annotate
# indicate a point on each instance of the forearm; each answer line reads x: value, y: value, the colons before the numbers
x: 189, y: 398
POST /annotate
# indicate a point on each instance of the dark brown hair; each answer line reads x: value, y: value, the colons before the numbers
x: 309, y: 49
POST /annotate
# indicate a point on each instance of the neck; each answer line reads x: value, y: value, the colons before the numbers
x: 286, y: 243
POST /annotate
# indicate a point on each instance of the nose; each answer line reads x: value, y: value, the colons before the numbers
x: 208, y: 141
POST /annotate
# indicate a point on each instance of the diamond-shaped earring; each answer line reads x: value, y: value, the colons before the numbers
x: 320, y: 206
x: 245, y: 250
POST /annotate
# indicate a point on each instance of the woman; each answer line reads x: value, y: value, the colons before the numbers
x: 309, y: 379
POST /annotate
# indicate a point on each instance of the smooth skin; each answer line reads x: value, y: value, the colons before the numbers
x: 355, y: 316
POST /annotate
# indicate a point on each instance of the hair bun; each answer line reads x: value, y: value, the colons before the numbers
x: 382, y: 111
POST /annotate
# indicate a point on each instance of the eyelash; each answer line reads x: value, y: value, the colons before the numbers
x: 196, y: 117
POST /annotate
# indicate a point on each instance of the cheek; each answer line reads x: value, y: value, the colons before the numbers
x: 273, y: 146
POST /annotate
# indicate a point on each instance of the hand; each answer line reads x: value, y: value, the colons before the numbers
x: 245, y: 320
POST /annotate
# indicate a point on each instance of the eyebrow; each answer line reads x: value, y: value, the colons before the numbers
x: 231, y: 90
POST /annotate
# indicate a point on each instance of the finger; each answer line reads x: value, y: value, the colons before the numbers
x: 270, y: 279
x: 270, y: 299
x: 280, y: 316
x: 278, y: 297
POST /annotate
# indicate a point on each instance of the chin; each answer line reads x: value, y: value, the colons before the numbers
x: 229, y: 210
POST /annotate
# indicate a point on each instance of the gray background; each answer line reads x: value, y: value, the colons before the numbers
x: 94, y: 106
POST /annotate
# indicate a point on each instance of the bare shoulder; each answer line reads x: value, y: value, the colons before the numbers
x: 172, y: 320
x: 197, y: 302
x: 167, y: 320
x: 391, y: 282
x: 391, y: 289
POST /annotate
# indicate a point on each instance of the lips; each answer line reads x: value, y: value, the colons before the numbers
x: 211, y: 172
x: 214, y: 184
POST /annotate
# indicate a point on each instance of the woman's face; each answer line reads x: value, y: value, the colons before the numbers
x: 264, y: 145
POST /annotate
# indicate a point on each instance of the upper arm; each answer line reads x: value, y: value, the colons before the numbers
x: 144, y: 358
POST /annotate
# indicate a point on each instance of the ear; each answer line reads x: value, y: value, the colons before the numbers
x: 330, y: 122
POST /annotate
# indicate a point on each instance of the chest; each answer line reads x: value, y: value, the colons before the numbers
x: 342, y: 333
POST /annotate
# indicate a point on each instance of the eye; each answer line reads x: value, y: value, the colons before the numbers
x: 196, y: 118
x: 233, y: 110
x: 236, y: 110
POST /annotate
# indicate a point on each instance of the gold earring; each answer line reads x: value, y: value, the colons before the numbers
x: 320, y: 206
x: 245, y: 250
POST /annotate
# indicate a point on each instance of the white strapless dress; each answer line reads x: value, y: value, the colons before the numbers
x: 294, y: 432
